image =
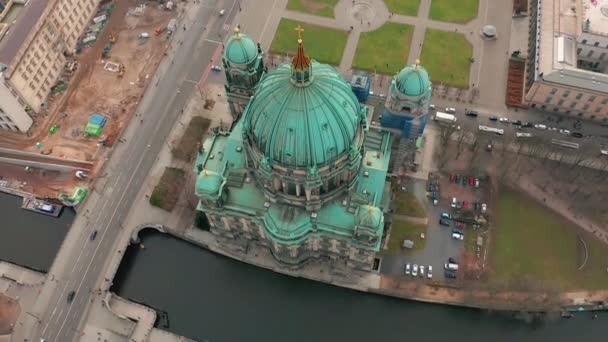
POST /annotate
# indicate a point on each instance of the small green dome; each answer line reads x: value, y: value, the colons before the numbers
x: 413, y: 80
x: 301, y: 126
x: 369, y: 216
x: 208, y: 183
x: 240, y: 49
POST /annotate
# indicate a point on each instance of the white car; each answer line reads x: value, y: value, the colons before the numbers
x: 453, y: 205
x: 503, y: 119
x: 564, y: 131
x: 450, y: 110
x: 477, y: 182
x: 408, y: 268
x: 552, y: 128
x: 422, y: 271
x: 216, y: 68
x: 432, y: 106
x: 483, y: 208
x: 415, y: 270
x: 222, y: 12
x: 429, y: 272
x: 540, y: 126
x: 457, y: 236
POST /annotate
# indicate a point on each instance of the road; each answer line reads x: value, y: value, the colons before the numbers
x: 80, y: 260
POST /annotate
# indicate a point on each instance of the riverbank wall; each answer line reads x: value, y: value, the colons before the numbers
x: 372, y: 282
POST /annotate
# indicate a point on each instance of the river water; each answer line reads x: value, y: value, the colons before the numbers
x: 216, y: 299
x: 30, y: 239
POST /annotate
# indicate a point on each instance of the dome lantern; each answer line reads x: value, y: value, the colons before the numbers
x: 301, y: 71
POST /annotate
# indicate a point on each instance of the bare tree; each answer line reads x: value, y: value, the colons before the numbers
x: 446, y: 134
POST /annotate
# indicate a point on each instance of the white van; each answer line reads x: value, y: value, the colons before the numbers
x: 451, y: 267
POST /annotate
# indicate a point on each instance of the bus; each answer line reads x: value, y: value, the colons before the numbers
x: 498, y: 131
x: 565, y: 143
x: 523, y: 135
x: 444, y: 117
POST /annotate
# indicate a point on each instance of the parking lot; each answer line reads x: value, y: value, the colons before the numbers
x: 440, y: 244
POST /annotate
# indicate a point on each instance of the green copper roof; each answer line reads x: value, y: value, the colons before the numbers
x: 240, y: 49
x: 413, y: 80
x: 369, y: 216
x: 301, y: 126
x: 208, y: 182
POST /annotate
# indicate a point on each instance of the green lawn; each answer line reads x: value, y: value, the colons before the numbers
x: 321, y: 43
x: 533, y: 242
x: 324, y: 8
x: 447, y: 57
x: 405, y: 7
x: 459, y: 11
x: 403, y: 230
x: 384, y: 50
x: 406, y: 204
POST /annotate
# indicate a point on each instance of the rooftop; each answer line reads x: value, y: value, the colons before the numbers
x: 557, y: 61
x: 20, y: 27
x: 596, y: 16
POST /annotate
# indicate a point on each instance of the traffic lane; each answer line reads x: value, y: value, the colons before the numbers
x: 135, y: 146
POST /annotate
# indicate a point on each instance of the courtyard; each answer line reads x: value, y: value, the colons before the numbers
x: 393, y: 40
x: 320, y: 43
x: 447, y: 57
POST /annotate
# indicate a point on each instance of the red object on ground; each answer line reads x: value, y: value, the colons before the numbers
x: 465, y: 204
x: 471, y: 181
x: 452, y: 177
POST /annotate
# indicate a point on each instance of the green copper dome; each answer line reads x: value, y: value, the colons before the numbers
x: 413, y: 80
x: 369, y: 216
x: 208, y: 183
x: 240, y: 49
x: 300, y: 125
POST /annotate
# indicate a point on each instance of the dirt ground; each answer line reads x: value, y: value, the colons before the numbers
x: 9, y: 312
x: 94, y: 90
x: 43, y: 183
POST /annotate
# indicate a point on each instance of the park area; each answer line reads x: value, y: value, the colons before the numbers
x: 323, y: 8
x: 460, y: 11
x: 447, y: 57
x: 385, y: 50
x: 320, y: 43
x: 406, y: 204
x: 534, y: 248
x: 404, y: 7
x: 402, y: 230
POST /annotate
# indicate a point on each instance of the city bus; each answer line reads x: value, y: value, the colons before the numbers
x: 498, y: 131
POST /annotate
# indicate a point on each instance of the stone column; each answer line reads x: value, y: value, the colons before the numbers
x: 308, y: 192
x: 285, y: 187
x: 298, y: 189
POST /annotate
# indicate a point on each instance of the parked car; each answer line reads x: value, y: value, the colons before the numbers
x: 460, y: 225
x: 71, y: 296
x: 471, y: 181
x: 452, y: 177
x: 465, y: 204
x: 458, y: 231
x: 415, y: 270
x: 431, y: 187
x: 576, y: 134
x: 504, y: 120
x: 484, y: 208
x: 540, y: 126
x: 516, y: 122
x: 493, y: 118
x: 564, y: 131
x: 432, y: 106
x: 429, y: 272
x: 472, y: 113
x: 451, y: 267
x: 477, y: 182
x: 526, y: 124
x: 552, y: 128
x: 453, y: 204
x: 457, y: 236
x: 93, y: 235
x: 449, y: 274
x: 452, y: 260
x: 444, y: 222
x: 464, y: 180
x: 446, y: 216
x: 422, y: 271
x: 450, y: 110
x: 408, y: 268
x: 457, y: 179
x: 216, y: 68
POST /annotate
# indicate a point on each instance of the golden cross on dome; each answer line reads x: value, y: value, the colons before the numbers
x: 237, y: 31
x: 299, y: 29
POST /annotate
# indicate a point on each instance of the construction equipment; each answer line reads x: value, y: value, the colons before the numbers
x: 106, y: 50
x: 159, y: 30
x: 112, y: 39
x: 121, y: 71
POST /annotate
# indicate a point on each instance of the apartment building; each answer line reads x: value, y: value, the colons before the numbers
x: 32, y: 53
x: 567, y: 67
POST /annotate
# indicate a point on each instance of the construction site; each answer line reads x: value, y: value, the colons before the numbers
x: 96, y: 96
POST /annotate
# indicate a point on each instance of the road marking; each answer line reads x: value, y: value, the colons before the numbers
x: 212, y: 41
x: 228, y: 15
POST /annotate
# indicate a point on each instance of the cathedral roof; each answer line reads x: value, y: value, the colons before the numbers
x: 240, y: 48
x: 413, y: 80
x: 303, y: 114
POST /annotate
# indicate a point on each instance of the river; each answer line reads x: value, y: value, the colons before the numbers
x: 30, y: 239
x: 216, y: 299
